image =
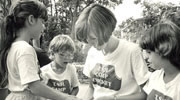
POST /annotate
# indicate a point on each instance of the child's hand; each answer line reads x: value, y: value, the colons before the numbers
x: 70, y: 97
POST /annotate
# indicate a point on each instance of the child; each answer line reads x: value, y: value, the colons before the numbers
x: 115, y: 66
x: 60, y: 74
x: 162, y: 44
x: 18, y: 57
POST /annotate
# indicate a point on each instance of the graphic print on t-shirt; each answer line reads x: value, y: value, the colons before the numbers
x: 156, y: 95
x: 104, y: 76
x: 62, y: 86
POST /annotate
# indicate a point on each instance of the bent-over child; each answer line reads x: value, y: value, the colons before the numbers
x: 115, y: 66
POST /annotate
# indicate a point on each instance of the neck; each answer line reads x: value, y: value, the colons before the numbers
x: 57, y: 68
x: 109, y: 48
x: 170, y: 72
x: 23, y: 35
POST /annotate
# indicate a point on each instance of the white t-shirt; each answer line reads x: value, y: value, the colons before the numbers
x: 157, y: 89
x: 120, y: 72
x: 63, y: 82
x: 23, y: 66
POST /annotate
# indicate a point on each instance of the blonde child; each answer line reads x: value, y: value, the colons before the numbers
x: 162, y: 43
x: 19, y: 62
x: 60, y: 74
x: 115, y: 66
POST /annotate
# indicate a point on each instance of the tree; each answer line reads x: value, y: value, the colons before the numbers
x: 5, y: 5
x: 66, y: 14
x: 152, y: 14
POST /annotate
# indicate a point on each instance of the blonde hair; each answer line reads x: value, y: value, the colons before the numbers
x: 61, y: 43
x: 97, y: 19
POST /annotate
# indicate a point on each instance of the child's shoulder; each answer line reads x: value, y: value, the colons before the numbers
x: 157, y: 74
x: 71, y: 67
x: 129, y: 45
x: 22, y: 44
x: 22, y: 48
x: 46, y: 67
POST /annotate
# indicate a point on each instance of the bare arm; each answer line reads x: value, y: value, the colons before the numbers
x: 75, y: 90
x: 136, y: 96
x: 41, y: 89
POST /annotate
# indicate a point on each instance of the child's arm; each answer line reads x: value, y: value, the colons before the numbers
x: 75, y: 90
x: 137, y: 96
x: 41, y: 89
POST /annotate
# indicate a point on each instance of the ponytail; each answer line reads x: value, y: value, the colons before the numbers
x: 8, y: 35
x: 13, y: 23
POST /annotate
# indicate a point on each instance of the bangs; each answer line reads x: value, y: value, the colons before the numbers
x: 66, y: 48
x: 160, y: 38
x: 147, y: 42
x: 81, y: 31
x: 99, y: 31
x: 61, y: 43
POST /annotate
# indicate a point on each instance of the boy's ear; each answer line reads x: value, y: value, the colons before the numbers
x: 31, y: 20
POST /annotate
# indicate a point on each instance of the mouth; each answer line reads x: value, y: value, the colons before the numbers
x: 65, y: 63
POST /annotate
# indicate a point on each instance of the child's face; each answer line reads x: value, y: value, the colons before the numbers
x: 155, y: 59
x: 92, y: 40
x: 63, y: 58
x: 38, y: 28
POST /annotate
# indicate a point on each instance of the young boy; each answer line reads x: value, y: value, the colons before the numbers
x: 60, y: 74
x: 115, y: 66
x: 162, y: 44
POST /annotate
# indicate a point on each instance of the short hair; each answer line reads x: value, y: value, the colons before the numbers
x: 164, y: 39
x: 61, y: 43
x: 97, y: 19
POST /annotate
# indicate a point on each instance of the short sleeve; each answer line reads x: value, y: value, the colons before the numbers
x: 90, y: 62
x: 28, y: 68
x: 154, y: 78
x: 147, y: 88
x: 140, y: 69
x: 75, y: 81
x: 87, y: 65
x: 44, y: 73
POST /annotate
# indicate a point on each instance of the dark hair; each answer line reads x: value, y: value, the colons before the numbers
x: 12, y: 23
x: 164, y: 39
x: 98, y: 19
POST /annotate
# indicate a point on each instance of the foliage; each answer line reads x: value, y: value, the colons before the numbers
x: 5, y: 5
x: 79, y: 55
x: 66, y: 13
x: 82, y: 78
x: 64, y: 18
x: 132, y: 29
